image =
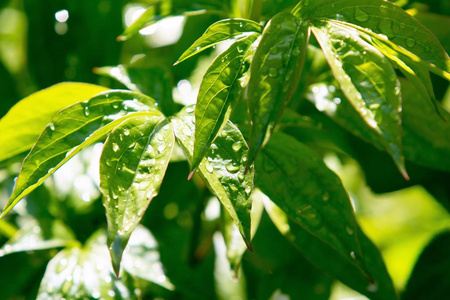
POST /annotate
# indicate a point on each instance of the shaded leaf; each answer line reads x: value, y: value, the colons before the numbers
x: 222, y: 169
x: 218, y: 32
x: 369, y: 82
x: 311, y: 195
x: 132, y: 167
x: 22, y: 125
x: 219, y: 91
x: 387, y: 21
x: 71, y: 130
x: 274, y: 74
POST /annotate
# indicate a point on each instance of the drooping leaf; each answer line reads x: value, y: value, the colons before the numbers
x: 22, y: 125
x: 219, y: 91
x: 70, y: 131
x: 310, y: 194
x: 218, y: 32
x: 333, y: 263
x: 369, y: 82
x: 235, y: 246
x: 387, y: 21
x: 222, y: 168
x: 132, y: 167
x: 274, y: 73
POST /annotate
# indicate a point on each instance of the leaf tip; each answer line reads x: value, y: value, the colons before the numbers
x: 116, y: 251
x: 176, y: 63
x: 249, y: 246
x: 121, y: 38
x: 191, y: 174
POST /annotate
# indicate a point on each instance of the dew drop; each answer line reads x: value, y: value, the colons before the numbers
x: 161, y: 148
x: 402, y: 25
x: 410, y: 42
x: 51, y: 126
x: 306, y: 3
x: 353, y: 255
x: 159, y: 136
x: 126, y: 132
x: 237, y: 146
x: 115, y: 147
x: 209, y: 168
x: 241, y: 177
x: 232, y: 168
x: 273, y: 72
x: 361, y: 16
x: 373, y: 287
x: 86, y: 111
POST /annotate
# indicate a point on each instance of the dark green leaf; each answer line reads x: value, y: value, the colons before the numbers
x: 22, y: 125
x: 222, y: 169
x: 219, y: 90
x: 311, y: 195
x: 219, y: 32
x: 274, y: 74
x: 387, y: 21
x: 132, y: 167
x: 369, y: 82
x: 70, y: 131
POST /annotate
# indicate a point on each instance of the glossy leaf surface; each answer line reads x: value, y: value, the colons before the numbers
x: 132, y: 167
x: 218, y: 32
x: 70, y: 131
x: 386, y: 20
x: 274, y: 74
x: 219, y: 90
x: 22, y: 125
x: 222, y: 169
x: 369, y: 82
x: 310, y: 194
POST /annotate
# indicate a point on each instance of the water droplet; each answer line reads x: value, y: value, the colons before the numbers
x: 306, y: 3
x: 237, y: 146
x: 410, y: 42
x: 161, y: 148
x: 373, y: 287
x: 248, y: 190
x: 159, y: 136
x: 208, y: 166
x: 126, y: 132
x: 86, y: 111
x: 108, y: 163
x: 353, y: 255
x: 273, y: 72
x: 241, y: 177
x: 232, y: 168
x: 361, y: 16
x: 402, y: 25
x: 296, y: 51
x: 241, y: 24
x: 51, y: 126
x: 115, y: 147
x: 349, y: 230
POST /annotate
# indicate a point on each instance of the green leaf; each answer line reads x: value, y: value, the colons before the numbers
x: 71, y: 130
x: 369, y: 82
x: 219, y: 91
x: 218, y: 32
x: 310, y: 194
x: 384, y: 20
x: 132, y: 167
x: 118, y: 73
x: 333, y: 263
x: 22, y: 125
x: 235, y: 246
x: 274, y: 74
x: 222, y: 169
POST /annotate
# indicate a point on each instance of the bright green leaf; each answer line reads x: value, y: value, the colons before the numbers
x: 384, y: 20
x: 71, y: 130
x: 274, y: 74
x: 369, y: 82
x: 132, y: 167
x: 22, y: 125
x: 222, y: 169
x: 218, y: 32
x: 220, y: 89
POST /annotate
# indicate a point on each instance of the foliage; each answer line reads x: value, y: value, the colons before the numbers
x: 290, y: 93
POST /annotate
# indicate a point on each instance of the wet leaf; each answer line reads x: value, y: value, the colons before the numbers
x: 132, y: 167
x: 387, y: 21
x: 22, y: 125
x: 368, y: 81
x: 72, y: 129
x: 332, y: 262
x: 120, y: 74
x: 235, y: 246
x: 311, y: 195
x: 219, y: 91
x: 274, y: 74
x: 218, y: 32
x: 222, y: 168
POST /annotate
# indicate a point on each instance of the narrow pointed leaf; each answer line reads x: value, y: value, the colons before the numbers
x: 369, y: 82
x: 222, y: 168
x: 71, y: 130
x: 334, y: 263
x: 387, y: 20
x: 132, y: 167
x: 274, y: 75
x: 21, y: 126
x: 147, y: 18
x: 219, y: 90
x: 218, y: 32
x: 310, y: 194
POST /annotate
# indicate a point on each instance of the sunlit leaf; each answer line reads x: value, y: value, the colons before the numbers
x: 274, y: 73
x: 387, y: 21
x: 369, y: 82
x: 218, y: 32
x: 148, y: 17
x: 22, y: 125
x: 222, y: 169
x: 120, y: 74
x: 132, y: 167
x: 70, y: 131
x: 220, y: 89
